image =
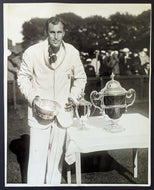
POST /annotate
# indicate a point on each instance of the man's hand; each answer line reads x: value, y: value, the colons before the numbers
x: 36, y: 99
x: 70, y: 105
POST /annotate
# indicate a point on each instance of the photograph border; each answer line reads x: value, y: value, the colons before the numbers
x: 3, y: 97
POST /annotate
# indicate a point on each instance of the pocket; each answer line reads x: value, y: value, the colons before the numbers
x: 36, y: 122
x: 69, y: 73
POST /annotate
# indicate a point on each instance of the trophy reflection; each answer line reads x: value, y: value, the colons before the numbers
x: 113, y: 101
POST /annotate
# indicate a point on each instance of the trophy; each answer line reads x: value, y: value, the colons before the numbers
x: 112, y: 101
x: 82, y: 110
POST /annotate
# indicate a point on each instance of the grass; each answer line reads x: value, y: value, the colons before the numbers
x: 108, y: 167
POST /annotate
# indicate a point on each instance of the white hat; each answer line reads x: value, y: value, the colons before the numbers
x: 116, y: 52
x: 103, y: 51
x: 112, y: 52
x: 88, y: 60
x: 145, y: 49
x: 125, y: 50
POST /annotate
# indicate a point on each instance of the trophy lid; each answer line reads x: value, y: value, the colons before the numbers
x: 113, y: 88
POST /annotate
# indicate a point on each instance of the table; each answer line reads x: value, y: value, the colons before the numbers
x: 94, y: 138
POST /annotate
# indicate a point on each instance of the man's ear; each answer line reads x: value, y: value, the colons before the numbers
x: 63, y: 33
x: 45, y: 33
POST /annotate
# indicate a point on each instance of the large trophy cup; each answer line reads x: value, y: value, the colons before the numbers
x: 113, y: 101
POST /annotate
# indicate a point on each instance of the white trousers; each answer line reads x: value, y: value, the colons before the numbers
x: 46, y: 155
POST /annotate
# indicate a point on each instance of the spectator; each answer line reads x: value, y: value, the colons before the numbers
x: 125, y: 62
x: 84, y: 56
x: 114, y: 62
x: 89, y: 69
x: 105, y: 69
x: 95, y: 61
x: 136, y: 63
x: 144, y: 56
x: 145, y: 69
x: 122, y: 65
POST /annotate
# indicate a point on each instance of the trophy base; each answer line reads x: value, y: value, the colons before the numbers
x: 83, y: 121
x: 83, y: 127
x: 113, y: 126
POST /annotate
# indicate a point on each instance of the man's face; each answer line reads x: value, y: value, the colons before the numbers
x: 148, y: 66
x: 55, y: 34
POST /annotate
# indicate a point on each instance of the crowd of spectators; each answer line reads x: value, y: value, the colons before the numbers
x: 97, y: 64
x: 100, y: 63
x: 122, y: 62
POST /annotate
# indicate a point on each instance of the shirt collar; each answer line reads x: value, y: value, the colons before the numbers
x: 62, y: 45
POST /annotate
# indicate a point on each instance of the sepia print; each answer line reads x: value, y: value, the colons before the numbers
x: 83, y: 72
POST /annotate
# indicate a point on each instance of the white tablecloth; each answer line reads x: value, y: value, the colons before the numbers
x: 95, y: 138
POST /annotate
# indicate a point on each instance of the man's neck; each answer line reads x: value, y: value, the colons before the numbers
x: 54, y: 49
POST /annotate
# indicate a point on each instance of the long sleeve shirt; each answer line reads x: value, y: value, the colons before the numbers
x: 36, y: 77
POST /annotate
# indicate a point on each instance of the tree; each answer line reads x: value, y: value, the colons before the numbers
x: 121, y: 27
x: 33, y: 31
x: 143, y: 30
x: 96, y: 32
x: 72, y: 23
x: 131, y: 31
x: 93, y: 33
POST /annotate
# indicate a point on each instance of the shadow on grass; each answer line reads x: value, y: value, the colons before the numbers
x: 91, y: 162
x: 20, y: 147
x: 99, y: 162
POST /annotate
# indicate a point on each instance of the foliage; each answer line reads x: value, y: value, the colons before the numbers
x: 33, y: 31
x: 96, y: 32
x: 93, y: 33
x: 72, y: 25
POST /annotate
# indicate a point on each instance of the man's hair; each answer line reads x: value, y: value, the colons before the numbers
x: 54, y: 20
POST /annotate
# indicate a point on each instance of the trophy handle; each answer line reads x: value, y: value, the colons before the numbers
x: 76, y: 112
x: 131, y: 93
x: 95, y: 96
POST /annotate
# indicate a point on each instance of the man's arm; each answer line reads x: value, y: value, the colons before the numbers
x: 25, y: 78
x: 79, y: 78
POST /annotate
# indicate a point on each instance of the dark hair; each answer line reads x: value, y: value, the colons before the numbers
x: 145, y: 64
x: 54, y: 20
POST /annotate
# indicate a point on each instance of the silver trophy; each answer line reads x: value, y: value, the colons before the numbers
x: 82, y: 110
x: 112, y: 101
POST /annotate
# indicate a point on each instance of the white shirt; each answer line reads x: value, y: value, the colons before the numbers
x: 37, y: 78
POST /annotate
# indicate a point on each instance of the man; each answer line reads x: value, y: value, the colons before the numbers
x: 145, y: 69
x: 125, y: 62
x: 144, y: 57
x: 105, y: 69
x: 46, y: 72
x: 114, y: 62
x: 136, y: 63
x: 95, y: 62
x: 89, y: 69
